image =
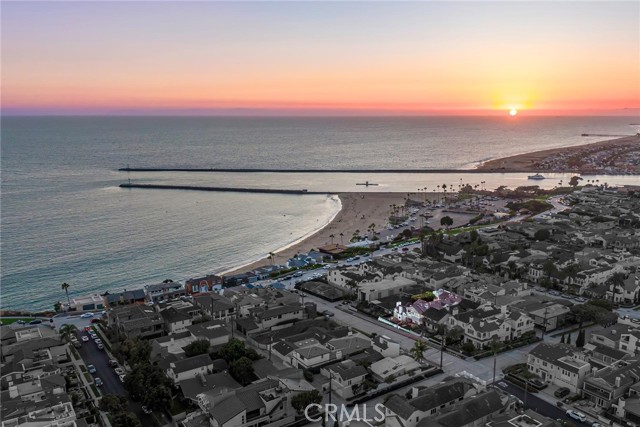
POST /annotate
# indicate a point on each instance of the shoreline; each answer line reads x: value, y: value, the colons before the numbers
x: 357, y: 212
x: 569, y: 159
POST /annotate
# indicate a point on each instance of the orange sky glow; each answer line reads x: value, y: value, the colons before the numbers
x: 482, y: 62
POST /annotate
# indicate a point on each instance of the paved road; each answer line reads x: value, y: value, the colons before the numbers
x: 99, y: 358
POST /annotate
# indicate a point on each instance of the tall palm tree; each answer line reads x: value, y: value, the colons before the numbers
x: 495, y: 347
x: 67, y: 331
x: 332, y: 236
x: 341, y: 238
x: 417, y: 352
x: 271, y: 256
x: 65, y: 287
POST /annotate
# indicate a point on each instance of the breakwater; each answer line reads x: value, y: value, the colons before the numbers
x: 221, y: 189
x: 259, y: 170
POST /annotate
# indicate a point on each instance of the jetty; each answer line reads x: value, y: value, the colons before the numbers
x: 258, y: 170
x: 222, y: 189
x: 366, y: 184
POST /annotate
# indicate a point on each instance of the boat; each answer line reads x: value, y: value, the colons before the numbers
x: 536, y: 176
x: 367, y: 183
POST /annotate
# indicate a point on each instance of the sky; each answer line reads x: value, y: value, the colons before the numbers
x: 304, y: 58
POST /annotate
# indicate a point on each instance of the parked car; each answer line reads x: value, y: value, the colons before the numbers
x: 576, y: 415
x: 91, y: 369
x: 35, y: 322
x: 94, y: 320
x: 98, y: 341
x: 100, y: 347
x: 561, y: 392
x: 85, y: 338
x: 113, y: 363
x: 597, y: 424
x: 146, y: 410
x: 328, y: 313
x: 122, y: 378
x: 21, y: 322
x: 88, y: 329
x: 86, y: 315
x: 98, y: 382
x: 119, y: 371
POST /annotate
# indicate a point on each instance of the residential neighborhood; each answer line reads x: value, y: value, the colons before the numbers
x: 532, y: 322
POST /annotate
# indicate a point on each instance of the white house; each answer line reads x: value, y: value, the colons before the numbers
x: 559, y: 364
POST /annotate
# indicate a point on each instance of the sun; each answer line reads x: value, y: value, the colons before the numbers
x: 513, y: 112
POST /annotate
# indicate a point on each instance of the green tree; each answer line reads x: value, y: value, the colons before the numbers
x: 149, y: 384
x: 468, y: 348
x: 57, y: 307
x: 134, y: 351
x: 571, y: 272
x: 113, y: 403
x: 235, y: 349
x: 473, y: 235
x: 125, y: 419
x: 417, y: 352
x: 67, y: 331
x: 574, y: 181
x: 549, y: 268
x: 581, y: 338
x: 542, y: 235
x: 242, y: 370
x: 65, y: 288
x: 446, y: 221
x: 197, y: 347
x: 615, y: 281
x: 304, y: 399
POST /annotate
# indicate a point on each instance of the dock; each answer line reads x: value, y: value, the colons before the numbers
x: 223, y: 189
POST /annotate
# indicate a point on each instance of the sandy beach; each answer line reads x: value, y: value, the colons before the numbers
x: 567, y: 159
x: 359, y: 210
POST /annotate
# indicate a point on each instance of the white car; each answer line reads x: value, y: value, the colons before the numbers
x: 86, y: 315
x: 85, y: 338
x: 576, y: 415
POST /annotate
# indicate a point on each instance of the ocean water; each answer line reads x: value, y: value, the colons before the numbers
x: 64, y: 219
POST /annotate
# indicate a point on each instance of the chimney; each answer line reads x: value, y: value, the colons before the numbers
x: 617, y: 382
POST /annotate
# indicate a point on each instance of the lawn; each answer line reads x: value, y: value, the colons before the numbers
x: 14, y: 320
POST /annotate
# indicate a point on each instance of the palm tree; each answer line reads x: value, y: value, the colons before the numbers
x: 417, y: 352
x: 67, y: 331
x: 332, y: 237
x: 495, y: 347
x: 271, y: 256
x: 341, y: 238
x: 65, y: 287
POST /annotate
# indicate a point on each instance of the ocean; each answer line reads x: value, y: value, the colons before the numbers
x: 64, y: 218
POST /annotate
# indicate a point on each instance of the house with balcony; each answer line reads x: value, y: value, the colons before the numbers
x: 346, y: 378
x: 184, y: 369
x: 137, y: 321
x: 264, y: 403
x: 607, y: 385
x: 427, y: 402
x: 487, y: 323
x: 217, y: 307
x: 559, y: 364
x: 165, y: 291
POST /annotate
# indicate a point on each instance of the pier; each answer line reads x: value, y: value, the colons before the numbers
x: 222, y: 189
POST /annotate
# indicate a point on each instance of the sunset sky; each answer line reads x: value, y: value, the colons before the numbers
x: 320, y: 58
